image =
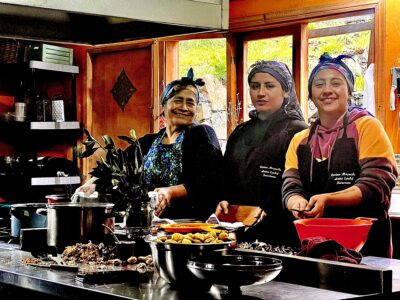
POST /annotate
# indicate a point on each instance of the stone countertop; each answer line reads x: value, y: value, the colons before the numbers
x: 57, y: 284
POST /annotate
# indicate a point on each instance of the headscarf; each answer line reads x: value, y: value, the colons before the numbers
x: 281, y: 73
x: 328, y: 62
x: 177, y: 85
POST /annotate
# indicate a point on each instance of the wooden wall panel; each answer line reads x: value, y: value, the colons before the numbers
x: 105, y: 116
x: 392, y: 58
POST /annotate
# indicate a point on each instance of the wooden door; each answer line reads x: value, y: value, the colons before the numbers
x: 109, y: 65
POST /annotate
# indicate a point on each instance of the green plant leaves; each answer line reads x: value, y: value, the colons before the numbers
x: 120, y: 173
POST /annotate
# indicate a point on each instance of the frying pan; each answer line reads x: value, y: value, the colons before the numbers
x: 350, y: 233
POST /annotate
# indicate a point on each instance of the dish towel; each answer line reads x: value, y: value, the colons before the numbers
x: 323, y: 248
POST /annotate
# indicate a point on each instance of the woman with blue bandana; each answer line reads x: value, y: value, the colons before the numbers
x: 255, y: 152
x: 343, y: 166
x: 183, y: 163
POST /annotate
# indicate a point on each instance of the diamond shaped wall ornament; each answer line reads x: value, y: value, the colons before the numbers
x: 123, y: 90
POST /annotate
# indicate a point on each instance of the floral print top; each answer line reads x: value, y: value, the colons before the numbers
x: 163, y: 163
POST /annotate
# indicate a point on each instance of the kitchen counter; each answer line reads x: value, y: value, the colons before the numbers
x: 17, y: 279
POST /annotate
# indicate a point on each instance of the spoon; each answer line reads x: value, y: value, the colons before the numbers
x: 112, y: 233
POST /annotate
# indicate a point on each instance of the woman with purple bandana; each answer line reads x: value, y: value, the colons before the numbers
x: 255, y: 152
x: 343, y: 166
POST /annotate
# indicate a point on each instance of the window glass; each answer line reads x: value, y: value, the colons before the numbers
x: 350, y: 35
x: 207, y: 57
x: 276, y: 48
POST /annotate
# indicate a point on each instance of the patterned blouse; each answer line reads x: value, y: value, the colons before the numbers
x: 163, y: 163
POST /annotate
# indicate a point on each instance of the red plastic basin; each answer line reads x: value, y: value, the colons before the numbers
x: 350, y: 233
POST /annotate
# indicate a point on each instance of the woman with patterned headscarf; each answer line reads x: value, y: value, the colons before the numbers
x: 255, y: 152
x: 183, y: 161
x: 344, y: 165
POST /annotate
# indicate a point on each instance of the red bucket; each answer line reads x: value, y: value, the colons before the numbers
x: 350, y: 233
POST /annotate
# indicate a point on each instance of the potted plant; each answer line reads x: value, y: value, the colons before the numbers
x: 120, y: 175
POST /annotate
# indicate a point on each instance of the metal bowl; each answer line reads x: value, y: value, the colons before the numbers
x: 235, y: 270
x: 171, y: 261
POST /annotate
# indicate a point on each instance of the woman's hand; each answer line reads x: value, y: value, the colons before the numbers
x: 316, y: 206
x: 222, y: 208
x: 164, y: 198
x: 297, y: 204
x: 88, y: 187
x: 168, y: 194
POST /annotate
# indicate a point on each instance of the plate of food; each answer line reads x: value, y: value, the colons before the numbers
x: 187, y: 227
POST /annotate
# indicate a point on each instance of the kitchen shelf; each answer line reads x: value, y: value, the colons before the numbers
x: 40, y: 65
x: 54, y: 125
x: 35, y: 181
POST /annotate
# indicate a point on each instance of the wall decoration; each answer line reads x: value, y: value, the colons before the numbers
x: 123, y: 90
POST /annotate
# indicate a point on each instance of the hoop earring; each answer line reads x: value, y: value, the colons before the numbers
x: 311, y: 104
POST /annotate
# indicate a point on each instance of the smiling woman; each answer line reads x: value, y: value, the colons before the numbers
x: 343, y: 166
x: 182, y: 163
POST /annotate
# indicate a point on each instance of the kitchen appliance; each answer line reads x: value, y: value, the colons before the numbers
x: 49, y: 53
x: 71, y: 223
x: 350, y: 233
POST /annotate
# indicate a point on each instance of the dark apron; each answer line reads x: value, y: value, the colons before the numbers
x: 260, y: 169
x: 338, y: 172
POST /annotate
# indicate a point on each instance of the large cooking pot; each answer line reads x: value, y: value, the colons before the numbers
x: 350, y: 233
x: 70, y: 223
x: 24, y: 215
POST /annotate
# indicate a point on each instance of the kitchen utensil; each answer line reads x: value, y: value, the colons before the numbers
x: 235, y: 270
x: 57, y: 110
x: 20, y: 111
x: 55, y: 266
x: 187, y: 227
x: 24, y: 215
x: 241, y: 213
x: 71, y: 223
x: 171, y: 260
x: 125, y: 250
x: 57, y: 198
x: 299, y: 210
x: 112, y: 233
x: 350, y: 233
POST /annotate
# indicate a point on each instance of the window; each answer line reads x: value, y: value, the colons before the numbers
x: 211, y: 66
x: 275, y: 48
x: 350, y: 35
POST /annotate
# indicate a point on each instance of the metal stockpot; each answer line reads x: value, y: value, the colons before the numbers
x: 24, y: 215
x: 70, y: 223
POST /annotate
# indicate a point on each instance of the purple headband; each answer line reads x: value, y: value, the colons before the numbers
x: 328, y: 62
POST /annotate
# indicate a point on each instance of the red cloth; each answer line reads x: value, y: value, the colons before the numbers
x: 323, y: 248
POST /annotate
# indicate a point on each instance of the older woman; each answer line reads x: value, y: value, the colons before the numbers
x: 255, y: 152
x: 344, y: 165
x: 184, y: 160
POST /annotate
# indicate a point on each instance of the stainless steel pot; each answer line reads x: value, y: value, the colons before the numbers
x: 71, y: 223
x: 24, y: 215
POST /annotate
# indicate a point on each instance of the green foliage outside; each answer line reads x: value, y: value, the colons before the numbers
x: 204, y: 56
x: 209, y: 56
x: 279, y: 49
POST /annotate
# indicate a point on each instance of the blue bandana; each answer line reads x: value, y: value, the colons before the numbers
x: 328, y: 62
x: 177, y: 85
